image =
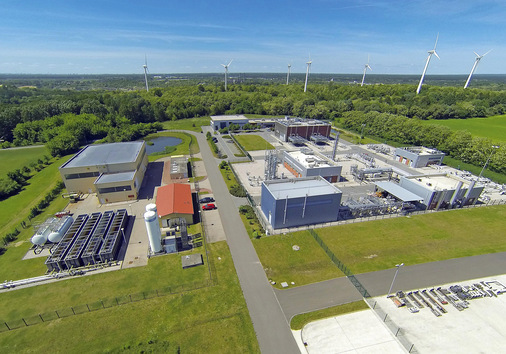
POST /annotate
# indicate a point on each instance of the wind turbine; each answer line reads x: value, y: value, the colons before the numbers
x: 288, y: 75
x: 307, y: 72
x: 365, y: 69
x: 145, y: 66
x: 433, y: 51
x: 226, y: 72
x: 476, y: 61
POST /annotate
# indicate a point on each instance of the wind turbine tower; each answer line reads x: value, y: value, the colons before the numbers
x: 226, y: 72
x: 307, y: 72
x: 145, y: 66
x: 476, y: 61
x: 288, y: 75
x: 365, y: 69
x: 433, y: 51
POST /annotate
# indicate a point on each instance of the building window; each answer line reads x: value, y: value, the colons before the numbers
x: 82, y: 175
x: 114, y: 189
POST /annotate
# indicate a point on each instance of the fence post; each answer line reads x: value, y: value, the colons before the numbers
x: 117, y: 302
x: 42, y: 319
x: 6, y: 325
x: 102, y: 304
x: 88, y: 308
x: 24, y: 322
x: 73, y: 310
x: 57, y: 314
x: 411, y: 348
x: 374, y: 306
x: 385, y: 319
x: 398, y: 329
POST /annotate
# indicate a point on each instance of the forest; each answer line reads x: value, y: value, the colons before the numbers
x: 67, y: 119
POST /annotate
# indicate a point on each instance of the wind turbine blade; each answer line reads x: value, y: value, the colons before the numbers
x: 369, y: 67
x: 436, y: 55
x: 435, y: 44
x: 368, y: 57
x: 487, y: 53
x: 477, y: 55
x: 145, y: 60
x: 230, y: 62
x: 223, y: 65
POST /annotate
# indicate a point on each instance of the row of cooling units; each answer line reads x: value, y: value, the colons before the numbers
x: 91, y: 239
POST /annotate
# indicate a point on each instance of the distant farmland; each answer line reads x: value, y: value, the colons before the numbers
x: 491, y: 127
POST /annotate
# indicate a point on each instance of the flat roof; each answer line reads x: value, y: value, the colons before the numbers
x: 300, y: 122
x: 106, y: 154
x: 174, y: 198
x: 439, y: 182
x: 422, y: 150
x: 397, y: 191
x: 115, y: 177
x: 300, y: 187
x: 308, y: 160
x: 229, y: 118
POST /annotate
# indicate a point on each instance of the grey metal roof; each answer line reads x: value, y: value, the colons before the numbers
x: 300, y: 187
x: 398, y: 191
x: 115, y: 177
x: 106, y: 154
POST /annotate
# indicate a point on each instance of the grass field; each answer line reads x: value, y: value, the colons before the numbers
x: 253, y: 142
x: 13, y: 159
x: 375, y: 245
x: 213, y: 319
x: 16, y: 208
x: 192, y: 124
x: 300, y: 321
x: 492, y: 127
x: 308, y: 265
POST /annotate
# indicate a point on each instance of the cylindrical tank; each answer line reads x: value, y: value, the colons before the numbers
x: 151, y: 207
x: 154, y: 232
x: 57, y: 234
x: 40, y: 237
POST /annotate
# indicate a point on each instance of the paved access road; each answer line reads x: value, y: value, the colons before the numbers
x: 271, y: 327
x: 338, y: 291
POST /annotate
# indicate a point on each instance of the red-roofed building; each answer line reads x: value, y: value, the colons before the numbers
x: 174, y: 201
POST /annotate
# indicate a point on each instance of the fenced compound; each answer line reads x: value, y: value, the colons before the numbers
x: 101, y: 305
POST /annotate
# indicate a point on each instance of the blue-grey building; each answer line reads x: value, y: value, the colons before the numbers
x: 299, y: 201
x: 419, y: 156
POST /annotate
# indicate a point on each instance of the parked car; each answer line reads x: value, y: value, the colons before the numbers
x: 209, y: 206
x: 206, y: 200
x: 215, y: 140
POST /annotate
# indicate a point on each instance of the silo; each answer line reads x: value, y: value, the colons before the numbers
x: 154, y: 232
x: 151, y: 207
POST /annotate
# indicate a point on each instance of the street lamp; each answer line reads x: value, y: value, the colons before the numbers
x: 393, y: 280
x: 494, y: 147
x: 123, y: 233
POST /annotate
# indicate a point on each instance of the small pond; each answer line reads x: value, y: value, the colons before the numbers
x: 159, y: 143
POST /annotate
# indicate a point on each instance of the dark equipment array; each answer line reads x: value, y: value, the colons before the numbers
x: 90, y: 239
x: 457, y: 295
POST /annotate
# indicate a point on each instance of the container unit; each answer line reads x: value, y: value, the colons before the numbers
x: 73, y: 257
x: 90, y: 253
x: 55, y: 260
x: 112, y: 241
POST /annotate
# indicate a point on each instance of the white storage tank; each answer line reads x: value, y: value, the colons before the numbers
x: 151, y: 207
x: 59, y: 230
x: 40, y: 236
x: 154, y: 232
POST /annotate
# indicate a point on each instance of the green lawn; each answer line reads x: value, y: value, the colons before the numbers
x: 308, y: 265
x: 13, y: 159
x: 253, y: 142
x: 213, y: 319
x: 375, y: 245
x: 300, y: 321
x: 17, y: 207
x: 192, y: 124
x: 492, y: 127
x: 181, y: 149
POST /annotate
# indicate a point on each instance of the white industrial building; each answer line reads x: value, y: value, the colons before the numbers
x: 308, y: 163
x: 419, y: 156
x: 220, y: 122
x: 442, y: 190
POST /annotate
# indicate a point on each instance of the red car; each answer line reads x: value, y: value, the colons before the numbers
x: 209, y: 206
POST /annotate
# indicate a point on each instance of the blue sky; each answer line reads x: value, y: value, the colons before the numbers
x: 193, y: 36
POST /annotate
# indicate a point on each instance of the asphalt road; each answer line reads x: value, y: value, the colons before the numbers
x: 271, y: 327
x: 338, y: 291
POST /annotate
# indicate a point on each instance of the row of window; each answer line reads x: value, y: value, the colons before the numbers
x: 114, y: 189
x: 82, y: 175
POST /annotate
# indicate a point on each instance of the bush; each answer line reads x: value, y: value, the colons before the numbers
x: 237, y: 190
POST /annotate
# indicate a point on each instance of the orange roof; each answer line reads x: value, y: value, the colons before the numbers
x: 175, y: 198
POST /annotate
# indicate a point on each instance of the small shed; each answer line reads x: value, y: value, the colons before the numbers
x: 174, y: 201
